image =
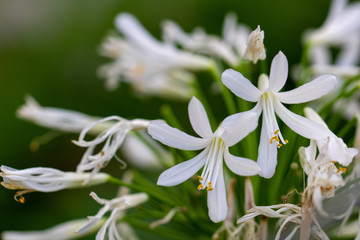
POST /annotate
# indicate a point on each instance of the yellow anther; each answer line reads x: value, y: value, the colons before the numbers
x: 200, y: 187
x: 20, y: 199
x: 341, y: 169
x: 209, y: 189
x: 286, y: 141
x: 274, y: 138
x: 276, y: 132
x: 200, y: 178
x: 11, y: 186
x: 279, y: 145
x: 333, y: 161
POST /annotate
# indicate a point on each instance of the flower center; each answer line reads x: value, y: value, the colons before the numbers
x: 213, y: 165
x: 269, y: 119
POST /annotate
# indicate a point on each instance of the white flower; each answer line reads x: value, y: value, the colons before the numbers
x: 55, y: 118
x: 335, y: 146
x: 215, y: 145
x: 46, y: 179
x: 152, y: 67
x: 111, y: 138
x: 342, y: 22
x: 255, y: 46
x: 234, y: 38
x: 235, y: 34
x: 59, y: 232
x: 117, y: 207
x: 270, y: 102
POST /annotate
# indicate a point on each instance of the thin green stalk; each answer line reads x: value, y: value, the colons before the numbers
x: 150, y: 192
x: 226, y: 94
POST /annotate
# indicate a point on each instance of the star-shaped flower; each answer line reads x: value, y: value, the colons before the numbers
x: 269, y: 101
x: 216, y: 148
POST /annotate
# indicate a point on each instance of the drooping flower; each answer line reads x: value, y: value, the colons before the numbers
x: 269, y: 101
x: 150, y: 66
x: 111, y: 138
x: 255, y: 46
x: 335, y: 146
x: 117, y: 206
x: 45, y: 179
x: 61, y: 231
x: 54, y: 118
x: 215, y: 145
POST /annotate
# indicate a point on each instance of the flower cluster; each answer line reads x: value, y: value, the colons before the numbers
x: 169, y: 69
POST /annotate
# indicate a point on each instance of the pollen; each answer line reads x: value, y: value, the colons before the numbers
x: 200, y: 187
x: 200, y: 178
x: 286, y: 141
x: 20, y: 199
x: 279, y: 145
x: 341, y: 169
x: 274, y: 138
x: 210, y: 188
x: 276, y: 132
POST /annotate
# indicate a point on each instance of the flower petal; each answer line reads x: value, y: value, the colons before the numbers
x: 301, y: 125
x: 241, y: 166
x: 267, y: 158
x: 240, y: 86
x: 199, y: 119
x: 173, y: 137
x: 278, y: 72
x: 182, y: 171
x: 309, y: 91
x: 217, y: 203
x: 238, y: 126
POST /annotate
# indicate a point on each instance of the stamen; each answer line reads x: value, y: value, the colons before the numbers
x: 200, y: 187
x: 19, y: 199
x: 200, y: 178
x: 286, y: 141
x: 274, y: 138
x: 341, y: 169
x: 333, y: 161
x: 209, y: 187
x: 279, y: 145
x: 276, y: 132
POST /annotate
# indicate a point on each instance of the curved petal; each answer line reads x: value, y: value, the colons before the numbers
x: 217, y: 203
x: 278, y: 72
x: 309, y: 91
x: 301, y: 125
x: 199, y: 119
x: 267, y: 158
x: 241, y: 166
x: 173, y: 137
x: 240, y: 86
x: 182, y: 171
x: 238, y: 126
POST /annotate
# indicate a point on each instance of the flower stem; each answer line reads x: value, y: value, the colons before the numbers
x: 228, y: 98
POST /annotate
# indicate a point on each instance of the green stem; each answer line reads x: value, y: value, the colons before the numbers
x: 226, y: 94
x: 150, y: 192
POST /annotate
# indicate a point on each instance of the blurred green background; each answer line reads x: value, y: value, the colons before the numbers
x: 49, y: 49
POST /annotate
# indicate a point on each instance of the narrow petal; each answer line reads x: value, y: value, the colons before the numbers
x: 240, y: 86
x: 198, y: 119
x: 182, y: 171
x: 173, y: 137
x: 301, y: 125
x: 135, y: 32
x: 217, y: 203
x: 309, y: 91
x: 278, y: 72
x: 267, y: 158
x: 238, y: 126
x: 241, y: 166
